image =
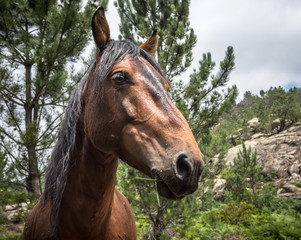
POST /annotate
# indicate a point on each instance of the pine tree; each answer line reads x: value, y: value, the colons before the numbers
x: 39, y: 41
x: 283, y: 105
x: 204, y: 100
x: 247, y: 166
x: 171, y: 19
x: 245, y: 173
x: 276, y: 103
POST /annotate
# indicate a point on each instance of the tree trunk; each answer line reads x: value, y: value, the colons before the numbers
x: 33, y: 183
x: 282, y: 125
x: 33, y: 180
x: 159, y: 224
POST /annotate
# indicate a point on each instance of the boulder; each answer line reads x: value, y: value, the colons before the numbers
x: 253, y: 124
x: 275, y: 126
x: 232, y: 152
x: 219, y: 187
x: 15, y: 212
x: 281, y: 155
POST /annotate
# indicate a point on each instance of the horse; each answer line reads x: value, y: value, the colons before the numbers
x: 121, y: 109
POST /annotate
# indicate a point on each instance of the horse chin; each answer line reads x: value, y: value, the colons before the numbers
x: 164, y: 190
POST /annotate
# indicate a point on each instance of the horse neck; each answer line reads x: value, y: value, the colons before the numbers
x: 90, y: 186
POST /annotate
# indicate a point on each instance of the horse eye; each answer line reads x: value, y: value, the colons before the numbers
x: 119, y: 78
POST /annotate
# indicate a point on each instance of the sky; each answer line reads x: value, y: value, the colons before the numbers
x: 265, y: 35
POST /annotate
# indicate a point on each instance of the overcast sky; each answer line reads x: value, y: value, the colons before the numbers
x: 265, y: 34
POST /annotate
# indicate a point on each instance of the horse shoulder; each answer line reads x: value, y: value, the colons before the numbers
x: 122, y: 223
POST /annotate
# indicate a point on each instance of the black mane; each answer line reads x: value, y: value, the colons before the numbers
x: 61, y: 161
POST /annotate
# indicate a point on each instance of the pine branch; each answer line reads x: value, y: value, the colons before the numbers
x: 131, y: 20
x: 9, y: 58
x: 15, y: 159
x: 10, y: 137
x: 11, y: 99
x: 46, y: 131
x: 13, y: 116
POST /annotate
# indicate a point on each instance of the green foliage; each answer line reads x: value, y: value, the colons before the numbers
x: 203, y: 101
x: 10, y: 232
x: 205, y: 192
x: 171, y: 19
x: 247, y: 166
x: 12, y: 195
x: 39, y: 40
x: 10, y: 192
x: 276, y: 103
x: 237, y: 213
x: 284, y: 105
x: 233, y: 128
x: 141, y: 193
x: 239, y: 220
x: 243, y: 174
x: 275, y: 226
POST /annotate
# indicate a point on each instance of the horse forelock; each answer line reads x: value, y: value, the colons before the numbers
x: 61, y: 158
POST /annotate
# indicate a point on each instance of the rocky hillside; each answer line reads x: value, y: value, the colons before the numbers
x: 281, y: 155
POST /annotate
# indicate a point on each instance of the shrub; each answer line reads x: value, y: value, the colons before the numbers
x: 10, y: 232
x: 237, y: 213
x: 12, y: 195
x: 275, y: 226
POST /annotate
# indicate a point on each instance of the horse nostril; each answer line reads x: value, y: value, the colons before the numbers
x: 183, y: 167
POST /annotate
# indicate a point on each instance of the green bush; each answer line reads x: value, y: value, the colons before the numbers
x: 238, y: 213
x: 239, y: 220
x: 275, y: 226
x: 10, y: 232
x: 12, y: 195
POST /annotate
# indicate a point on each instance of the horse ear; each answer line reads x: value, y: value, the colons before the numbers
x: 151, y: 44
x: 100, y: 28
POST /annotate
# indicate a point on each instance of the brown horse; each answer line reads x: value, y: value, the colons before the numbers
x: 120, y: 109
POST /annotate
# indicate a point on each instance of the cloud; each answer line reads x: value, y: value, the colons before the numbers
x: 266, y: 37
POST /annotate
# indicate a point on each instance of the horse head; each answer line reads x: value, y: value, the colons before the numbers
x: 127, y: 112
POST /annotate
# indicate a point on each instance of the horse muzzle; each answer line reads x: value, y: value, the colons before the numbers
x: 179, y: 180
